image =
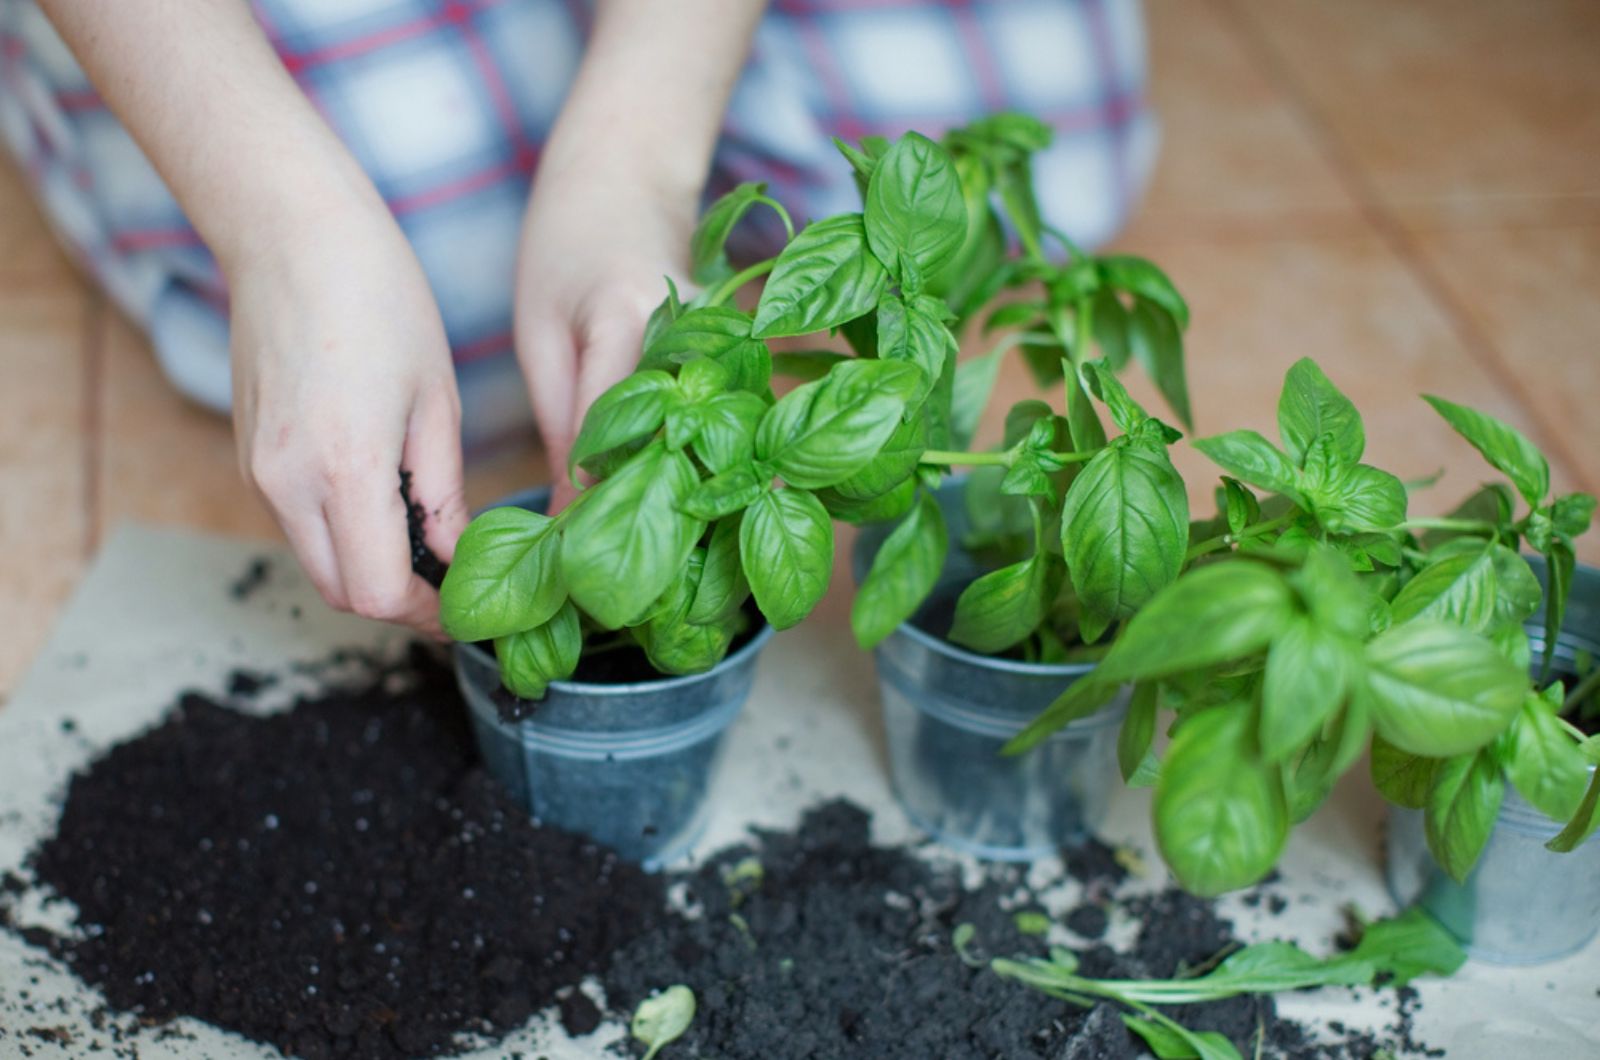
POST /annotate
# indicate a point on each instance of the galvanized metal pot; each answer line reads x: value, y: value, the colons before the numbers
x: 948, y: 711
x: 627, y: 764
x: 1521, y: 904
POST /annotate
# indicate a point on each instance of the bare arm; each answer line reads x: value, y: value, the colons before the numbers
x: 341, y: 369
x: 617, y: 192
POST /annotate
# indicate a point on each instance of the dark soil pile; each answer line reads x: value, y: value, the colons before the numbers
x: 338, y: 880
x: 343, y: 880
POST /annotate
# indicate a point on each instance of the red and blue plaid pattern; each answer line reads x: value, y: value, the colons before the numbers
x: 446, y: 103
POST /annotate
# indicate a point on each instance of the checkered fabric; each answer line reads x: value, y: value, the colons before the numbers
x: 446, y: 103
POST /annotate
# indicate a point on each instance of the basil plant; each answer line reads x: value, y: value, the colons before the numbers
x: 1314, y: 620
x: 708, y: 493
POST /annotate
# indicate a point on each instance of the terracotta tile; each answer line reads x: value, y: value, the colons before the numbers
x: 1347, y: 303
x: 164, y: 459
x: 30, y: 257
x: 43, y: 523
x: 1450, y: 109
x: 1234, y: 158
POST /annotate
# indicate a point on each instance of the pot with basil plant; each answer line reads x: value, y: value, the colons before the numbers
x: 1317, y: 620
x: 708, y: 519
x: 984, y: 595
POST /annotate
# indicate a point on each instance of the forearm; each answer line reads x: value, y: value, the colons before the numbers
x: 654, y: 85
x: 199, y: 87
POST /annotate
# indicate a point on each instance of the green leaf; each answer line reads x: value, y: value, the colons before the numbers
x: 1170, y: 1040
x: 723, y: 587
x: 1308, y: 673
x: 823, y: 278
x: 625, y: 543
x: 1220, y: 818
x: 1213, y: 614
x: 865, y: 160
x: 1158, y: 345
x: 786, y: 545
x: 718, y: 333
x: 672, y: 643
x: 1113, y: 328
x: 895, y: 462
x: 1251, y: 458
x: 1583, y: 823
x: 1400, y: 776
x: 1560, y: 566
x: 1439, y: 690
x: 916, y: 218
x: 1001, y: 608
x: 805, y: 365
x: 530, y: 659
x: 634, y: 408
x: 727, y: 434
x: 1080, y: 699
x: 1310, y: 407
x: 1239, y: 505
x: 903, y: 573
x: 1572, y: 514
x: 1362, y: 498
x: 716, y: 224
x: 1502, y: 445
x: 1405, y: 946
x: 724, y: 494
x: 505, y: 577
x: 823, y: 432
x: 915, y: 333
x: 1140, y: 277
x: 1124, y: 529
x: 1134, y: 756
x: 881, y: 509
x: 1461, y: 588
x: 1546, y: 765
x: 662, y: 1018
x: 1126, y: 413
x: 1463, y: 802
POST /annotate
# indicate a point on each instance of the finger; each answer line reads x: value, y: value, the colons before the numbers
x: 610, y: 351
x: 313, y: 546
x: 433, y: 456
x: 367, y: 522
x: 549, y: 363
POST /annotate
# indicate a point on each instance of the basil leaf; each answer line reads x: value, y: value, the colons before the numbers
x: 672, y: 643
x: 1502, y: 445
x: 915, y: 332
x: 724, y: 494
x: 1140, y: 277
x: 786, y: 547
x: 1463, y: 802
x: 1572, y: 514
x: 823, y: 432
x: 1310, y: 407
x: 1560, y: 566
x: 727, y: 434
x: 1462, y: 589
x: 1158, y: 346
x: 1213, y: 614
x: 662, y: 1018
x: 1126, y: 413
x: 1220, y: 818
x: 1124, y: 529
x: 1113, y: 328
x: 1307, y: 675
x: 722, y: 334
x: 723, y: 587
x: 823, y: 278
x: 1583, y: 823
x: 1239, y: 504
x: 1406, y: 946
x: 1251, y: 458
x: 532, y: 658
x: 627, y: 541
x: 1401, y: 777
x: 716, y: 224
x: 1134, y: 757
x: 634, y: 408
x: 895, y: 462
x: 865, y: 160
x: 903, y: 573
x: 1439, y: 690
x: 1001, y: 608
x: 1546, y: 765
x: 1173, y: 1041
x: 880, y: 509
x: 504, y: 578
x: 1363, y: 498
x: 916, y: 218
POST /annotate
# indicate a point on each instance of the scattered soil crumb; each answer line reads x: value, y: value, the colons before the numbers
x: 256, y: 575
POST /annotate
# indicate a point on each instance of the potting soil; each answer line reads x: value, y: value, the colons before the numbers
x: 343, y: 880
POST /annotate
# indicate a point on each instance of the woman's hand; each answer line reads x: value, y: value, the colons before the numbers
x: 342, y: 376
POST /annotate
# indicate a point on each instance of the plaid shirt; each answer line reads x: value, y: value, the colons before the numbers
x: 446, y: 103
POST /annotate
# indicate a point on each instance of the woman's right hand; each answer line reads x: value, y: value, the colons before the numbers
x: 341, y: 378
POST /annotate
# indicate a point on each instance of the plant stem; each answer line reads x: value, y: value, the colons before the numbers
x: 1581, y: 692
x: 955, y: 458
x: 727, y: 287
x: 1471, y: 526
x: 783, y: 214
x: 1222, y: 541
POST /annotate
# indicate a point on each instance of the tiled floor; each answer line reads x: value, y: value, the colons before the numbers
x: 1407, y: 192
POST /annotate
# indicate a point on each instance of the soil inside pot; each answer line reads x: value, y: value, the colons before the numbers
x: 343, y: 880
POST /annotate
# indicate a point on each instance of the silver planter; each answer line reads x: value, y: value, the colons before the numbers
x: 948, y: 711
x: 1521, y: 904
x: 627, y: 764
